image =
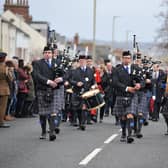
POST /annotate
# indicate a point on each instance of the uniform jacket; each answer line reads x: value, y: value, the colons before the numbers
x: 121, y: 79
x: 4, y: 78
x: 86, y: 77
x: 42, y: 73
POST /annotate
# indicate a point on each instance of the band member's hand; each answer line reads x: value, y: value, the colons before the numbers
x: 58, y: 80
x: 94, y: 86
x: 148, y: 81
x: 66, y: 83
x: 131, y: 89
x: 79, y: 84
x: 52, y: 83
x: 137, y: 86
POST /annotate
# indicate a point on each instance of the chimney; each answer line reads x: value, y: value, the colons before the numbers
x: 20, y: 7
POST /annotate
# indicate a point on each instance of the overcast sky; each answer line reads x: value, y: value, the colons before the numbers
x: 70, y: 16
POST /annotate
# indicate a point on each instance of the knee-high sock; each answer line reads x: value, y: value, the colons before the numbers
x: 140, y: 122
x: 43, y: 123
x: 51, y: 121
x: 130, y: 125
x: 135, y: 124
x: 123, y: 126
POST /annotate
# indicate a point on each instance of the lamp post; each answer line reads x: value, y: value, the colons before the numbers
x: 113, y: 31
x: 94, y: 30
x: 127, y: 37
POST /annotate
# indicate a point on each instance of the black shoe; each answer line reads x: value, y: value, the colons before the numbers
x: 166, y: 133
x: 89, y: 123
x: 52, y: 137
x: 4, y: 125
x: 130, y: 139
x: 81, y: 127
x: 57, y: 130
x: 139, y: 135
x: 75, y: 124
x: 123, y: 138
x: 43, y: 136
x: 146, y: 123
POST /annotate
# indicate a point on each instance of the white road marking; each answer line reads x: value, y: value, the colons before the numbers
x: 111, y: 138
x: 89, y: 157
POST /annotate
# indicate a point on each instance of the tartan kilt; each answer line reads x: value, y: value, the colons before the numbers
x: 56, y: 105
x: 120, y: 110
x: 143, y: 103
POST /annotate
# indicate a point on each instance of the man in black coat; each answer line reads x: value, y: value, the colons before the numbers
x: 81, y: 81
x: 158, y: 81
x: 126, y: 86
x: 47, y: 92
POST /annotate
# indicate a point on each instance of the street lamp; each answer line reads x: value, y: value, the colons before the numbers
x: 94, y: 30
x: 113, y: 31
x: 127, y: 37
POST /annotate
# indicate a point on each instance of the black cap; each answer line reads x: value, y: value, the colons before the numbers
x: 3, y: 54
x: 82, y: 57
x: 126, y: 53
x: 138, y: 55
x: 89, y: 57
x: 47, y: 48
x: 106, y: 61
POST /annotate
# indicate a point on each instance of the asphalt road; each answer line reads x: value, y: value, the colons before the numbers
x: 97, y: 147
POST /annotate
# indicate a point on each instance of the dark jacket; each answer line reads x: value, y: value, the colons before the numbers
x: 42, y: 73
x: 86, y: 77
x: 121, y: 80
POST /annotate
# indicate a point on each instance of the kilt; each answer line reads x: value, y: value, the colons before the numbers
x: 120, y: 110
x: 55, y: 106
x: 143, y: 103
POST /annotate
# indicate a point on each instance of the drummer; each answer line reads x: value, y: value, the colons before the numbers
x: 81, y: 81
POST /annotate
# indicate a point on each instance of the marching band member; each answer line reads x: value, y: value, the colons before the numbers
x: 126, y: 98
x: 48, y: 99
x: 59, y: 72
x: 81, y: 81
x: 143, y: 104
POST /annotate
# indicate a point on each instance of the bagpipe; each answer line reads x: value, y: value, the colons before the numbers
x: 145, y: 68
x: 63, y: 61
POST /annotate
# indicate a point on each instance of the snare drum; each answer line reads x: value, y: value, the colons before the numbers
x: 93, y: 99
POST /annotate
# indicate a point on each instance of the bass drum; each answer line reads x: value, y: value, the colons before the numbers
x: 93, y: 99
